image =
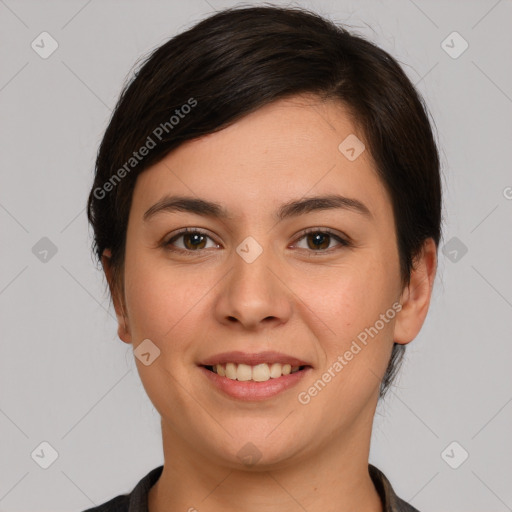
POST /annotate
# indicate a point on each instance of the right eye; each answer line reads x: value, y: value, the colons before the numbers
x: 193, y: 240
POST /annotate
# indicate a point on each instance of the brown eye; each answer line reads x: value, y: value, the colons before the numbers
x: 194, y: 240
x: 318, y: 240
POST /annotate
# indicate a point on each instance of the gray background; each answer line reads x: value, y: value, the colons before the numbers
x: 65, y: 377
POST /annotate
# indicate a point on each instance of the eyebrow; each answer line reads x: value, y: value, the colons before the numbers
x: 287, y: 210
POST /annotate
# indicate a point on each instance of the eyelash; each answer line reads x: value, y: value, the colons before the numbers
x: 324, y: 231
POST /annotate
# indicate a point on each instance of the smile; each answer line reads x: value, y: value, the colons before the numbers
x: 248, y: 388
x: 257, y: 373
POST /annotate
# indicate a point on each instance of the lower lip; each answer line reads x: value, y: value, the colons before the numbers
x: 252, y: 390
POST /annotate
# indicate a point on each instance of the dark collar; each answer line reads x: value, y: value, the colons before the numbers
x: 137, y: 500
x: 390, y: 501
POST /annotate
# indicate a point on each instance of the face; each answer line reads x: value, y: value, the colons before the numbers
x: 301, y: 282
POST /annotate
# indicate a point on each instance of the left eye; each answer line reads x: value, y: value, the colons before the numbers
x: 319, y: 240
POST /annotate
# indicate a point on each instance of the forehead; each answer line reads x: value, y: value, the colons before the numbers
x: 285, y: 150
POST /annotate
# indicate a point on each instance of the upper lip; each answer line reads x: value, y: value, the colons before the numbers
x: 253, y: 359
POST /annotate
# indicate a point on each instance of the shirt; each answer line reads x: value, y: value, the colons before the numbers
x: 137, y: 500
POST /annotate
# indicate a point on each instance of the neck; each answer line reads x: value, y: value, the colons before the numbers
x: 334, y: 477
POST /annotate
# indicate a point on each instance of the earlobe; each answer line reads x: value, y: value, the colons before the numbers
x: 123, y: 330
x: 416, y: 296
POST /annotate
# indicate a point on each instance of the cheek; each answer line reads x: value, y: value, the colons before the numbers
x: 350, y: 306
x: 157, y: 298
x: 167, y: 303
x: 352, y: 293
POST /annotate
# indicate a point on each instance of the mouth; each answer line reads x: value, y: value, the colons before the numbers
x: 262, y: 372
x: 253, y: 383
x: 253, y: 376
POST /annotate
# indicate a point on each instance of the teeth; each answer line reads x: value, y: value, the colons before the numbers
x: 258, y: 373
x: 230, y: 371
x: 275, y: 370
x: 243, y: 372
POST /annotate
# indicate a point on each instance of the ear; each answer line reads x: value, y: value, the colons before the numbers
x: 415, y: 298
x: 123, y: 330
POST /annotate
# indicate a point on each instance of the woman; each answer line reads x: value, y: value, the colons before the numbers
x: 267, y: 211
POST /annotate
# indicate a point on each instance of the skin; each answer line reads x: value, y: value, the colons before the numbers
x: 293, y: 299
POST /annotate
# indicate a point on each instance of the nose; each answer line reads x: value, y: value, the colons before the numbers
x: 253, y: 292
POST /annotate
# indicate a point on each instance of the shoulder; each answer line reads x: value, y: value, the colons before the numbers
x: 118, y: 504
x: 135, y: 501
x: 390, y: 501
